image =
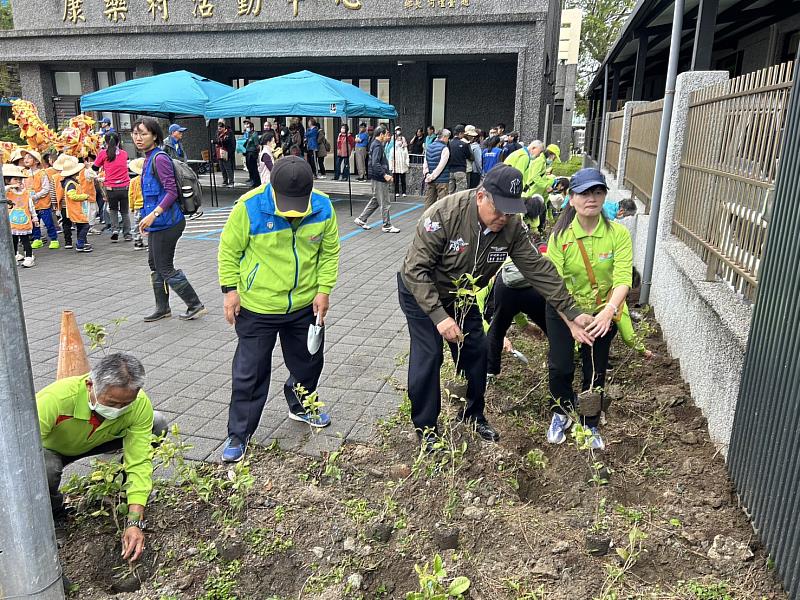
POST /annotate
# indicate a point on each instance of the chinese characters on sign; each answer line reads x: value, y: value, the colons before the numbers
x: 350, y: 4
x: 116, y: 10
x: 73, y: 11
x: 156, y: 7
x: 203, y: 9
x: 415, y: 4
x: 248, y: 7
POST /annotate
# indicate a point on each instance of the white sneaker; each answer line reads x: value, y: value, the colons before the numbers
x: 404, y: 195
x: 597, y: 442
x: 19, y: 257
x: 321, y: 177
x: 362, y: 224
x: 390, y: 229
x: 558, y: 428
x: 28, y: 261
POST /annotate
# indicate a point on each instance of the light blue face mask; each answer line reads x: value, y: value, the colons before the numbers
x: 107, y: 412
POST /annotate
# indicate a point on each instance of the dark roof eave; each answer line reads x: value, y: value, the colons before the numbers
x: 638, y: 14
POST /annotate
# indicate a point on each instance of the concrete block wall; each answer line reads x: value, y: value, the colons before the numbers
x: 705, y: 324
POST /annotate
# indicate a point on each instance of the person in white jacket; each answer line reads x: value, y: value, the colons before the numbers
x: 399, y: 162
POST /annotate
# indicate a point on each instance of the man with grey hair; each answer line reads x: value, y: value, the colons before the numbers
x: 530, y: 162
x: 100, y: 412
x: 434, y: 168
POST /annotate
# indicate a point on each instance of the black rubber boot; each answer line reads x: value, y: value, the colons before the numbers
x: 161, y: 292
x: 181, y: 286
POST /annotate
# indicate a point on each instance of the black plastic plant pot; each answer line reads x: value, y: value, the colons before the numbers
x: 590, y: 403
x: 597, y: 545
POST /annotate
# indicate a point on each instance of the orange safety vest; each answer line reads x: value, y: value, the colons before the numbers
x: 87, y: 185
x: 77, y: 210
x: 19, y: 215
x: 34, y: 183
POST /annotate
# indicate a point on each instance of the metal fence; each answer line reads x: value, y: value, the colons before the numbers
x: 614, y: 140
x: 764, y: 460
x: 640, y: 162
x: 730, y: 157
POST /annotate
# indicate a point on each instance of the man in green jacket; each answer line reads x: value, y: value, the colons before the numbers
x: 278, y: 262
x: 100, y: 412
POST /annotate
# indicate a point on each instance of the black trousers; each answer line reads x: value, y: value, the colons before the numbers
x: 311, y: 158
x: 508, y: 302
x: 473, y: 179
x: 26, y: 243
x: 251, y: 162
x: 161, y: 249
x: 66, y: 226
x: 252, y: 365
x: 426, y: 357
x: 321, y: 163
x: 341, y: 168
x: 399, y: 183
x: 561, y: 364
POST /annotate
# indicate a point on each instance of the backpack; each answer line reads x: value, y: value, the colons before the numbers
x: 190, y: 194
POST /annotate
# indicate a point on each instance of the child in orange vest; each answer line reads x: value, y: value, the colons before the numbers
x: 136, y: 201
x: 21, y: 213
x: 77, y: 201
x: 39, y: 184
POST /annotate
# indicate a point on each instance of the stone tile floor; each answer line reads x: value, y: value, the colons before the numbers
x: 188, y: 363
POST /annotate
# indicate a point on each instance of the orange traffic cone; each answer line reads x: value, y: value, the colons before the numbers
x: 72, y: 359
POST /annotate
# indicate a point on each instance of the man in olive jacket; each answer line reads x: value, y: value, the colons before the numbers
x: 470, y: 232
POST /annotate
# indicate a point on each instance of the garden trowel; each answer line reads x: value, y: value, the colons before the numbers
x: 315, y: 331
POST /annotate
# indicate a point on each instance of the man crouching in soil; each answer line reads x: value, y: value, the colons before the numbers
x: 100, y: 412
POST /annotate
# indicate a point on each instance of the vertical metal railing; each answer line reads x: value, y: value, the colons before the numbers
x: 640, y: 162
x: 764, y: 456
x: 614, y: 141
x: 730, y: 157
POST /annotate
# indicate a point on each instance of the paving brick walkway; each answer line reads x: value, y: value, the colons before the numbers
x: 188, y: 363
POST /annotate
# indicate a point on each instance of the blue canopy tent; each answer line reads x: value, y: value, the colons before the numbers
x: 303, y: 93
x: 168, y: 95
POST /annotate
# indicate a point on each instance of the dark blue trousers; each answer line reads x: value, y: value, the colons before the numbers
x: 252, y: 365
x: 46, y: 219
x: 426, y: 357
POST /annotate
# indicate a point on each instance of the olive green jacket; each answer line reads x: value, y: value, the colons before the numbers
x: 450, y: 241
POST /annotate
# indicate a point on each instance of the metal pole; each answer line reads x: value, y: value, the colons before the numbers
x: 349, y: 183
x: 29, y: 566
x: 602, y: 150
x: 661, y: 157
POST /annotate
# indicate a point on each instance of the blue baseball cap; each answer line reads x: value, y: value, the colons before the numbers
x: 105, y: 120
x: 586, y: 179
x: 175, y: 127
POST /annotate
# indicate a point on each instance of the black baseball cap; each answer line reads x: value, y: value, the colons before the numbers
x: 292, y: 181
x: 504, y: 183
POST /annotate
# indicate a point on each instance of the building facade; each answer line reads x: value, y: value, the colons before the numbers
x: 439, y: 62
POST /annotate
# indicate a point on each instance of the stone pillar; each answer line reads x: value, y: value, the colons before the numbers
x: 528, y: 105
x: 687, y: 83
x: 37, y: 87
x: 410, y: 94
x: 626, y: 134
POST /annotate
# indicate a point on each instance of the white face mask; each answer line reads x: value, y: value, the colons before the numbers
x: 107, y: 412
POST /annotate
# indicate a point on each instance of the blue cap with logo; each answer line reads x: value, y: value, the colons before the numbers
x: 105, y: 120
x: 175, y: 127
x: 586, y: 179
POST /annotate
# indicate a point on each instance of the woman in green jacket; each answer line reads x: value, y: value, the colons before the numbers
x: 594, y: 256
